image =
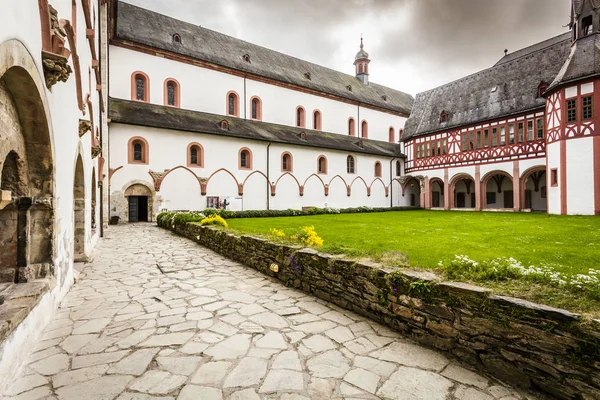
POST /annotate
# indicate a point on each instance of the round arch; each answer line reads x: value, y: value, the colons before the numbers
x: 458, y: 200
x: 26, y: 131
x: 497, y: 196
x: 436, y: 193
x: 533, y: 188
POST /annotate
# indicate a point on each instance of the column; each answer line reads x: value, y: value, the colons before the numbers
x: 446, y: 190
x: 516, y: 186
x: 477, y: 188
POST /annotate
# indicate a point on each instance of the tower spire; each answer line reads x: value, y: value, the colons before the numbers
x: 361, y: 63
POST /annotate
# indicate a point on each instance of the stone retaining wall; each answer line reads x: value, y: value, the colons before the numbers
x: 529, y: 345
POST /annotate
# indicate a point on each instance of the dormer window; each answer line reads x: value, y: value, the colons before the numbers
x: 541, y: 88
x: 586, y: 26
x: 307, y: 76
x: 443, y: 117
x: 384, y: 97
x: 349, y: 87
x: 176, y: 38
x: 247, y: 58
x: 224, y: 125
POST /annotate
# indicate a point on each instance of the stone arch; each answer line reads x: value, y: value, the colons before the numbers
x: 182, y: 167
x: 436, y: 193
x: 274, y: 187
x: 412, y: 188
x: 205, y: 185
x: 499, y: 197
x: 359, y: 178
x: 79, y: 211
x: 378, y: 179
x: 534, y: 181
x: 319, y: 178
x: 27, y: 224
x: 458, y: 180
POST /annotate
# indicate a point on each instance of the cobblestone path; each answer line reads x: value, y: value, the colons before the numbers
x: 156, y: 316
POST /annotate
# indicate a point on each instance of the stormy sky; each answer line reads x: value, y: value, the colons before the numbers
x: 414, y: 45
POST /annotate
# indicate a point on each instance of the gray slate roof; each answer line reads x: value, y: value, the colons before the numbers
x: 157, y: 116
x: 138, y: 25
x: 583, y: 61
x: 472, y: 99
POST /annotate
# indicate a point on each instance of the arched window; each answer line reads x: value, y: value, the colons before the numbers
x: 233, y: 104
x: 137, y: 150
x: 286, y: 162
x: 350, y: 164
x: 351, y: 127
x: 377, y: 169
x: 322, y: 165
x: 245, y: 158
x: 195, y: 155
x: 300, y: 117
x: 392, y: 135
x: 171, y: 93
x: 398, y: 168
x: 317, y: 120
x: 360, y: 68
x: 364, y: 130
x: 176, y: 38
x: 140, y: 87
x: 256, y: 108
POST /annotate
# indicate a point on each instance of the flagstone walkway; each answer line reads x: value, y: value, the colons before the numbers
x: 156, y: 316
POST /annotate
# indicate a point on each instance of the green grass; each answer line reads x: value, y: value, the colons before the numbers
x: 568, y: 244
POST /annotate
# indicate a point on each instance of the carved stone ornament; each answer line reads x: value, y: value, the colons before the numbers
x: 96, y: 147
x: 56, y: 68
x: 84, y: 126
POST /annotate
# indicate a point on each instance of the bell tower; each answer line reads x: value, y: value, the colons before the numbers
x: 361, y: 63
x: 585, y: 18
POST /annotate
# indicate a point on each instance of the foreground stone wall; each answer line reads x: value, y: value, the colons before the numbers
x: 529, y: 345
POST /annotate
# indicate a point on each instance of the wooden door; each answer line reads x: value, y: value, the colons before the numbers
x: 133, y: 208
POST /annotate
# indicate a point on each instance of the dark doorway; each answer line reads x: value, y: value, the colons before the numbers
x: 508, y: 199
x: 460, y: 200
x: 528, y: 200
x: 413, y: 200
x: 435, y: 199
x: 138, y: 208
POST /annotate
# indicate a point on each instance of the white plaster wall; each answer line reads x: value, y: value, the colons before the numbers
x: 179, y: 189
x: 505, y: 167
x: 206, y: 90
x: 21, y: 21
x: 553, y: 156
x: 580, y: 176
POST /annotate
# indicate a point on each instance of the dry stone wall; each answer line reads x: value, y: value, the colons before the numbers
x: 529, y: 345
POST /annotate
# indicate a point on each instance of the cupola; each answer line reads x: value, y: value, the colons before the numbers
x: 361, y: 63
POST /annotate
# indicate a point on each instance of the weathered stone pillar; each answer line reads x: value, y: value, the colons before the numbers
x: 427, y: 194
x: 447, y: 193
x: 23, y: 206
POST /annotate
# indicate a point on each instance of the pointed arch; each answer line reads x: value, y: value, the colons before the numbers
x: 385, y: 188
x: 204, y: 186
x: 319, y: 178
x: 174, y: 169
x: 300, y: 187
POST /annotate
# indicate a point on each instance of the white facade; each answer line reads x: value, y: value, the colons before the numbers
x: 21, y: 48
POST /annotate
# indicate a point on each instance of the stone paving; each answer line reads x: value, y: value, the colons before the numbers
x: 156, y: 316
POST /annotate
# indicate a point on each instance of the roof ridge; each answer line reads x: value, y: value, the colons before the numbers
x: 263, y: 47
x: 464, y: 78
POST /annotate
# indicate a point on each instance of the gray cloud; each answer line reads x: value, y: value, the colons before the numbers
x: 414, y: 45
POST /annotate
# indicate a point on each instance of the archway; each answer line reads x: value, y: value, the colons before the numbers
x: 498, y: 193
x: 140, y: 203
x: 27, y: 221
x: 436, y: 187
x: 79, y: 212
x: 533, y: 189
x: 412, y: 193
x: 463, y: 192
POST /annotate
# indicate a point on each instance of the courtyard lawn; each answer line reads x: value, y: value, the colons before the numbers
x: 568, y: 244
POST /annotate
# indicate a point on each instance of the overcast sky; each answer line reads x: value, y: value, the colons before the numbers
x: 414, y: 45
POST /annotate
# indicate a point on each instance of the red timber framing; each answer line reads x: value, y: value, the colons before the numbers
x: 485, y: 143
x: 581, y: 126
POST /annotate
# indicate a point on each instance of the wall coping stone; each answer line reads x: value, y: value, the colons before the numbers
x: 533, y: 346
